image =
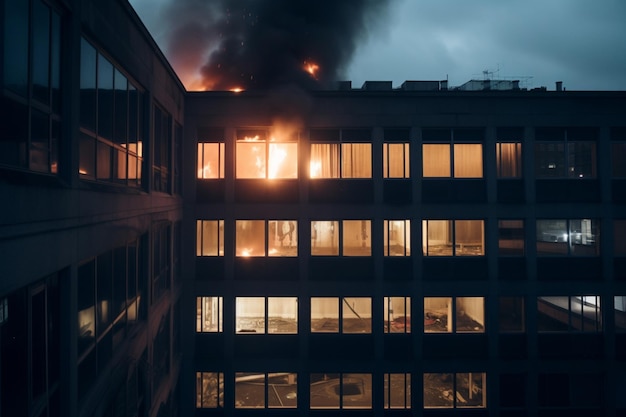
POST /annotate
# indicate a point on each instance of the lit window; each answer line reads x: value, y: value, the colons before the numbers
x: 250, y: 238
x: 250, y: 315
x: 356, y: 315
x: 324, y: 160
x: 509, y: 159
x: 260, y: 157
x: 397, y: 312
x: 460, y: 390
x: 324, y: 315
x: 345, y: 391
x: 574, y: 237
x: 510, y: 237
x: 453, y: 237
x: 620, y: 313
x: 356, y: 160
x: 210, y: 160
x: 464, y: 315
x: 397, y: 391
x: 282, y: 238
x: 564, y: 313
x: 209, y: 237
x: 466, y: 158
x: 511, y: 314
x: 209, y: 390
x: 280, y: 389
x: 357, y: 239
x: 396, y: 160
x: 325, y: 238
x: 281, y: 316
x: 209, y: 314
x: 397, y: 235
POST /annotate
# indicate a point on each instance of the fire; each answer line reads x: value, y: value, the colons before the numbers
x: 236, y: 89
x: 312, y: 68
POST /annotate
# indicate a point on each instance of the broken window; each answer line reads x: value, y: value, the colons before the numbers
x: 279, y: 316
x: 574, y: 237
x: 396, y: 160
x: 460, y: 390
x: 397, y: 311
x: 397, y: 390
x: 209, y: 390
x: 454, y: 314
x: 210, y: 160
x: 209, y: 237
x: 209, y: 314
x: 341, y: 391
x: 397, y: 237
x: 569, y: 313
x: 453, y: 237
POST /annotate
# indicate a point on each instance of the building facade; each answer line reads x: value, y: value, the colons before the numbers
x: 171, y: 253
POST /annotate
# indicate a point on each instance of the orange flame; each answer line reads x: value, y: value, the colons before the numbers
x: 312, y: 68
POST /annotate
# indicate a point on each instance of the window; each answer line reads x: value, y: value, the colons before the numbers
x: 355, y: 238
x: 619, y: 237
x: 210, y: 160
x: 282, y: 238
x: 454, y: 314
x: 111, y: 120
x: 618, y: 156
x: 396, y: 160
x: 340, y: 154
x: 620, y: 313
x: 209, y: 390
x: 209, y: 237
x: 450, y: 159
x: 397, y: 314
x: 509, y: 159
x: 458, y: 390
x: 161, y: 167
x: 356, y: 315
x: 161, y: 258
x: 397, y: 390
x: 209, y: 315
x: 565, y: 153
x: 565, y: 313
x: 260, y: 156
x: 272, y: 315
x: 574, y: 237
x: 341, y: 391
x: 511, y: 237
x: 511, y: 314
x: 397, y: 235
x: 266, y: 390
x: 453, y: 237
x: 31, y: 79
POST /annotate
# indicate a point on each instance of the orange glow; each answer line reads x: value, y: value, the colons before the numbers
x: 236, y: 89
x: 312, y: 68
x: 315, y: 169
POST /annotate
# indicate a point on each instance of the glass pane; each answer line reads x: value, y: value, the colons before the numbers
x: 121, y: 108
x: 324, y: 160
x: 87, y: 163
x: 325, y: 238
x: 511, y: 314
x: 105, y: 98
x: 586, y: 313
x: 250, y: 315
x: 469, y: 237
x: 395, y: 160
x: 437, y: 314
x: 552, y: 237
x: 510, y: 237
x: 356, y: 391
x: 41, y: 52
x: 357, y: 239
x: 581, y: 159
x: 584, y: 237
x: 251, y: 159
x: 397, y: 237
x: 103, y: 162
x: 283, y: 160
x: 282, y: 390
x: 397, y: 311
x: 436, y: 160
x: 16, y: 46
x: 324, y: 315
x: 282, y: 238
x: 470, y: 390
x: 210, y: 238
x: 86, y: 306
x: 618, y: 156
x: 209, y: 314
x: 468, y: 160
x: 550, y: 160
x: 40, y: 142
x: 509, y: 160
x: 552, y: 314
x: 325, y: 390
x: 619, y: 236
x: 470, y: 315
x: 55, y: 61
x: 397, y: 390
x: 250, y: 238
x: 210, y: 160
x: 439, y: 390
x: 87, y: 86
x: 356, y: 315
x: 249, y: 390
x: 619, y: 303
x: 209, y: 389
x: 282, y: 315
x: 356, y: 160
x: 437, y: 237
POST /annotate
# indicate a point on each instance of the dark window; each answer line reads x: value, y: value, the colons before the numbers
x: 511, y: 237
x: 565, y: 153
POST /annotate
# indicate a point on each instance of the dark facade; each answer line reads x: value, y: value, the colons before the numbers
x: 174, y: 253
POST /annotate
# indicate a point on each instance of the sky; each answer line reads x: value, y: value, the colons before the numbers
x: 579, y: 42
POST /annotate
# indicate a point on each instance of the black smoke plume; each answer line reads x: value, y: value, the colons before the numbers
x: 261, y: 44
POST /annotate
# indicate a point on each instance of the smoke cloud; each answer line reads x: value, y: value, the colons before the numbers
x: 261, y: 44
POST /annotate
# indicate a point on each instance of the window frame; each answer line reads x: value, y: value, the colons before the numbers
x: 452, y: 232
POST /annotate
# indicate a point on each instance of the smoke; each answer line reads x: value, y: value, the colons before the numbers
x: 261, y: 44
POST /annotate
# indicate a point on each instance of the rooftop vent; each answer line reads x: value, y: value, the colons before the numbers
x: 377, y: 86
x: 421, y: 86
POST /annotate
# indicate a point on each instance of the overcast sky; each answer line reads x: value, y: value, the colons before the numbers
x: 579, y: 42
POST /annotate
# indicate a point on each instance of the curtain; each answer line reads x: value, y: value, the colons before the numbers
x: 324, y: 160
x: 468, y: 160
x: 436, y: 160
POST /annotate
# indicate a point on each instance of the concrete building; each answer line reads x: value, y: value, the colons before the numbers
x: 177, y: 253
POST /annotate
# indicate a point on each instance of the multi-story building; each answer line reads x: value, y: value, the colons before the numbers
x: 220, y: 253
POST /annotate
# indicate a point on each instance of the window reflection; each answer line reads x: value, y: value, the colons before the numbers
x: 397, y: 314
x: 619, y: 303
x: 569, y: 313
x: 575, y: 237
x: 397, y: 237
